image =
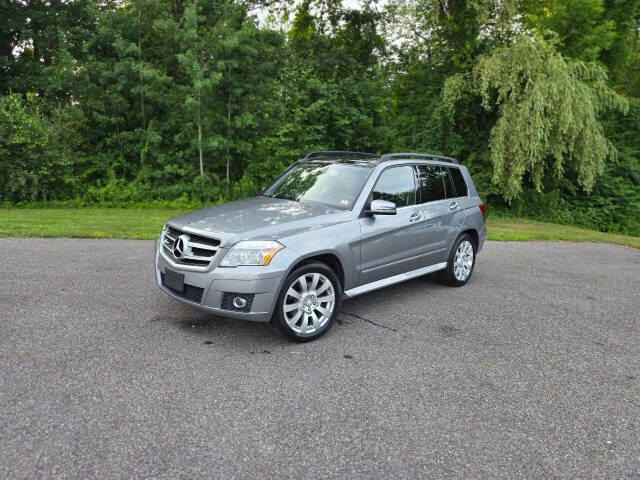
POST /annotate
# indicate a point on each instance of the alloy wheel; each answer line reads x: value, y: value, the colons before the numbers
x: 309, y: 303
x: 463, y: 261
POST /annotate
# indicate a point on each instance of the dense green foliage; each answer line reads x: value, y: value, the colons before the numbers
x: 167, y: 102
x: 548, y: 113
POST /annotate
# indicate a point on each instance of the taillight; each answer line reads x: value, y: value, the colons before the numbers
x: 484, y: 217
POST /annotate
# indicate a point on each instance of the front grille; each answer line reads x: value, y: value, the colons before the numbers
x: 197, y: 250
x: 227, y: 301
x: 191, y: 292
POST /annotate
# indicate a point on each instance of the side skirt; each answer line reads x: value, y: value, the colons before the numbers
x: 385, y: 282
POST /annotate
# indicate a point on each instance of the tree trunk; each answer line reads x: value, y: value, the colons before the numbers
x: 199, y: 116
x: 118, y: 134
x: 200, y: 142
x: 144, y: 120
x: 228, y: 132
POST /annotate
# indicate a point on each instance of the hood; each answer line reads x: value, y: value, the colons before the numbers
x: 259, y: 217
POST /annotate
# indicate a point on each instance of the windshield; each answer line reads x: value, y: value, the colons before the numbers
x: 332, y: 183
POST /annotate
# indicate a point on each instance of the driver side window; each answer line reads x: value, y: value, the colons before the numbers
x: 396, y: 185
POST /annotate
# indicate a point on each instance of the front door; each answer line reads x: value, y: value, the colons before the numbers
x: 393, y: 244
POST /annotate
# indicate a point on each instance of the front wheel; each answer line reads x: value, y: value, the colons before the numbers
x: 460, y: 263
x: 309, y: 302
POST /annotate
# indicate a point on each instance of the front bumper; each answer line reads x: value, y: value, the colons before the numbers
x: 262, y: 284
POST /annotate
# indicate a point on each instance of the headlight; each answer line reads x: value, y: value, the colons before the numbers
x: 251, y: 252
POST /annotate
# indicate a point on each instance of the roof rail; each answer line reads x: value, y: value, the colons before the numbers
x: 337, y: 153
x: 429, y: 156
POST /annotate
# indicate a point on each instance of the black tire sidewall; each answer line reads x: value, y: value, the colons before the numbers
x: 278, y: 315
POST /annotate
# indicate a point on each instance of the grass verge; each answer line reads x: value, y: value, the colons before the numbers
x: 84, y: 222
x: 147, y: 223
x: 519, y: 230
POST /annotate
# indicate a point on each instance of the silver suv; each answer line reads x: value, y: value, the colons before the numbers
x: 332, y: 226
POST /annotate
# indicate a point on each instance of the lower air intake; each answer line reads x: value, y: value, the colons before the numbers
x: 191, y: 293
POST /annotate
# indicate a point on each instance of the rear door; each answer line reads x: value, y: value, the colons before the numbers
x: 442, y: 213
x: 457, y: 193
x: 393, y: 244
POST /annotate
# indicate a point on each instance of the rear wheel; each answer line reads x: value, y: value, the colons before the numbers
x: 461, y: 261
x: 309, y: 302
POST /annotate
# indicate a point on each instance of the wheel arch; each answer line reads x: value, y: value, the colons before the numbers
x: 330, y: 259
x: 474, y: 234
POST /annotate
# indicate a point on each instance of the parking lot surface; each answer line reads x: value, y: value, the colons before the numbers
x: 532, y: 370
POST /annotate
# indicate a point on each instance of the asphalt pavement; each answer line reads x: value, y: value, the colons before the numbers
x: 532, y: 370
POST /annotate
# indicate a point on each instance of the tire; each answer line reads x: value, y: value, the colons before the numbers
x: 306, y: 312
x: 458, y: 274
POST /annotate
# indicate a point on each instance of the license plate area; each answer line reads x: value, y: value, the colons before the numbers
x: 174, y: 280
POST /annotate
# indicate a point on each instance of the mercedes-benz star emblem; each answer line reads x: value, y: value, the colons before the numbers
x: 179, y: 246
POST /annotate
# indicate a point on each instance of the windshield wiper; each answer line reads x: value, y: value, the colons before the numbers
x: 286, y: 198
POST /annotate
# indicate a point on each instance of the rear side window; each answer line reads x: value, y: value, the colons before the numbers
x: 448, y: 183
x: 396, y: 185
x: 458, y: 181
x: 431, y: 183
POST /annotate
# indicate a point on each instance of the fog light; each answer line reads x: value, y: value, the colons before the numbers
x: 239, y: 302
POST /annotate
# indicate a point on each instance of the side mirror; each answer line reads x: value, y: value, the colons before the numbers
x: 382, y: 207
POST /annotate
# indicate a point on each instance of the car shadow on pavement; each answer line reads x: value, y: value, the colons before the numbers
x: 205, y: 327
x: 361, y: 310
x: 201, y: 322
x: 415, y: 289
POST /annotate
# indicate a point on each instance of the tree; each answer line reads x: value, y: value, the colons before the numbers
x: 583, y: 30
x: 332, y: 94
x: 247, y: 59
x: 196, y: 101
x: 197, y: 59
x: 549, y: 113
x: 35, y: 151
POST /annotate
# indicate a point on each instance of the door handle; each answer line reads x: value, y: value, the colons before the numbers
x: 415, y: 217
x: 453, y: 206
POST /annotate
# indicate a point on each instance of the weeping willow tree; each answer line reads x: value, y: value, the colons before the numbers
x: 548, y: 111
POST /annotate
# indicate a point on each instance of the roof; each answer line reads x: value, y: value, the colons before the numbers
x: 373, y: 158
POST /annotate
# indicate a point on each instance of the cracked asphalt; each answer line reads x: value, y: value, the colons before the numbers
x: 532, y: 370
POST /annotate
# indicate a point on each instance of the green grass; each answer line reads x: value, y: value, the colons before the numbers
x: 519, y: 230
x: 83, y: 222
x: 147, y: 223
